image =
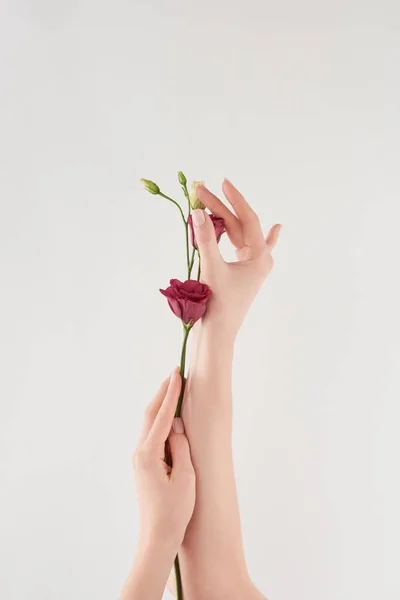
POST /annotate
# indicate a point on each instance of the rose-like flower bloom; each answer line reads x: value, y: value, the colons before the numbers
x: 219, y: 227
x: 194, y: 202
x: 187, y: 299
x: 150, y: 186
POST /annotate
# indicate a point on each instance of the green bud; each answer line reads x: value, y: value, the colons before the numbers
x: 194, y: 201
x: 197, y: 204
x: 181, y: 178
x: 150, y: 186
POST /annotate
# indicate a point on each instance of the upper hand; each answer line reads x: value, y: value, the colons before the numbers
x: 234, y: 285
x: 166, y: 494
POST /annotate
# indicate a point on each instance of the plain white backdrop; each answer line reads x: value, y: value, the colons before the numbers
x: 298, y: 104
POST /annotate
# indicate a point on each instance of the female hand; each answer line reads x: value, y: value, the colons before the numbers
x: 236, y: 284
x: 166, y: 495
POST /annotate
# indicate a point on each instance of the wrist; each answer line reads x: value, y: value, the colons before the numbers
x: 159, y: 544
x: 155, y: 554
x: 210, y: 329
x: 151, y: 566
x: 163, y: 539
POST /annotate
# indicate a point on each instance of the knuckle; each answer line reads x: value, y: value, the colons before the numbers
x: 135, y: 458
x: 164, y: 416
x: 251, y: 218
x: 141, y: 459
x: 148, y: 413
x: 205, y: 239
x: 254, y: 218
x: 266, y: 264
x: 187, y: 473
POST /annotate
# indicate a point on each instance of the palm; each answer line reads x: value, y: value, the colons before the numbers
x: 249, y: 263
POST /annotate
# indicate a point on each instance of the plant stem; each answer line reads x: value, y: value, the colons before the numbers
x: 198, y: 267
x: 185, y: 191
x: 186, y: 331
x: 176, y: 204
x: 187, y: 248
x: 191, y: 262
x: 185, y: 225
x: 178, y: 578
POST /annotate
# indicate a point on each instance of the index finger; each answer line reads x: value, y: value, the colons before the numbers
x: 218, y: 208
x: 163, y: 422
x: 152, y: 410
x: 249, y: 220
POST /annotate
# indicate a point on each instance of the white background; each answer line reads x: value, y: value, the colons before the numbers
x: 296, y: 102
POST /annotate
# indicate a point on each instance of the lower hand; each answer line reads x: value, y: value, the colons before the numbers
x: 166, y: 494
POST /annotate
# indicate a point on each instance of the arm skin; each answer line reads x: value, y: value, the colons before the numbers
x: 150, y: 570
x: 212, y: 556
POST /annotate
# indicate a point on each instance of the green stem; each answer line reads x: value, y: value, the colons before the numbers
x: 179, y: 590
x: 186, y: 331
x: 191, y: 262
x: 185, y: 191
x: 176, y: 204
x: 198, y: 267
x: 187, y: 248
x: 185, y: 225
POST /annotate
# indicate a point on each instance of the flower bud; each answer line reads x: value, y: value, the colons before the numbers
x: 194, y: 201
x: 219, y: 228
x: 150, y: 186
x: 181, y: 178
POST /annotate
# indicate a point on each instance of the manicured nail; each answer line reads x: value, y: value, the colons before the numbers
x: 178, y: 426
x: 198, y: 217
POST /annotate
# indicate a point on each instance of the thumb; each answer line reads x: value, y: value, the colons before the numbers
x: 180, y: 451
x: 205, y: 238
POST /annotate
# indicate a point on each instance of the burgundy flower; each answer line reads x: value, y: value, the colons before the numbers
x: 219, y: 227
x: 187, y: 299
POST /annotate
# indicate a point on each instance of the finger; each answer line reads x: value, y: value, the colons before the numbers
x: 180, y: 450
x: 252, y: 232
x: 163, y: 421
x: 152, y: 409
x: 218, y: 208
x: 171, y: 585
x: 273, y: 236
x: 205, y: 238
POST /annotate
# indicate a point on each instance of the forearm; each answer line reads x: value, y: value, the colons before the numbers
x: 212, y: 556
x: 149, y: 574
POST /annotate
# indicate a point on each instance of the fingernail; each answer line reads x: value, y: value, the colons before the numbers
x: 227, y: 180
x: 198, y: 217
x: 178, y: 426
